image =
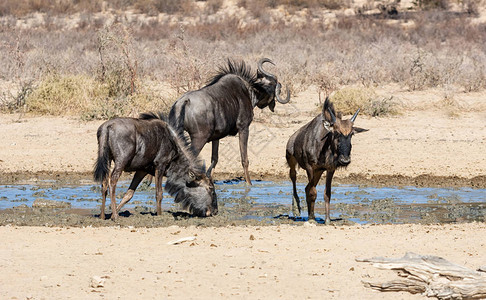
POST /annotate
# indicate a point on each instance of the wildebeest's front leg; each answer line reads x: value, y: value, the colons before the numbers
x: 327, y: 195
x: 214, y: 157
x: 243, y: 135
x: 311, y: 192
x: 159, y: 192
x: 137, y: 178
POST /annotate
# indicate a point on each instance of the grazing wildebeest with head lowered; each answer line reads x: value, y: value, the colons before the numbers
x: 323, y: 144
x: 225, y: 107
x: 148, y: 145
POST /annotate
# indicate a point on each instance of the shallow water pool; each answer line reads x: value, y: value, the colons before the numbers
x: 272, y: 200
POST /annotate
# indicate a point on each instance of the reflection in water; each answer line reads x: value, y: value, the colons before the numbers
x: 272, y: 200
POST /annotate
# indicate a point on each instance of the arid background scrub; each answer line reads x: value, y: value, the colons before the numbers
x: 99, y: 59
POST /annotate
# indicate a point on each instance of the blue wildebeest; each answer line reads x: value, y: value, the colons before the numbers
x: 323, y: 144
x: 148, y: 145
x: 225, y: 107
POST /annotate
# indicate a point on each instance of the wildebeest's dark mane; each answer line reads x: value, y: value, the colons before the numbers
x: 236, y: 68
x: 182, y: 140
x: 153, y: 115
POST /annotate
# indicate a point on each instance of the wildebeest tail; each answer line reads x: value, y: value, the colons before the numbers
x: 102, y: 165
x: 176, y: 116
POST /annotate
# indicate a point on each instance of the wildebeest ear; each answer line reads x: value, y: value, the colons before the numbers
x: 358, y: 129
x: 328, y: 125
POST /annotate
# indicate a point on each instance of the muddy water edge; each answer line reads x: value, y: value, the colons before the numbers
x: 236, y: 210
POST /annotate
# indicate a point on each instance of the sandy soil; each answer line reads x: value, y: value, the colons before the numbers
x: 427, y: 138
x: 288, y: 262
x: 284, y: 261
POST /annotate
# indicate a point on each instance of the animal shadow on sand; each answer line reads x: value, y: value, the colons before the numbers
x: 305, y: 219
x: 177, y: 215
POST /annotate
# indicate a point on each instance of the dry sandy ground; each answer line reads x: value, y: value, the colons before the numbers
x: 284, y: 262
x: 289, y: 262
x: 427, y: 138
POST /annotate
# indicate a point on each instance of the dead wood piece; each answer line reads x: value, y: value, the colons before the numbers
x: 432, y: 276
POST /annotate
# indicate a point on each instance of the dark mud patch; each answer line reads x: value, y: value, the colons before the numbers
x: 359, y: 179
x: 144, y: 217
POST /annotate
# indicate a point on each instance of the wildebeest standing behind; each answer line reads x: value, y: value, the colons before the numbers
x: 225, y: 107
x: 148, y: 145
x: 324, y: 144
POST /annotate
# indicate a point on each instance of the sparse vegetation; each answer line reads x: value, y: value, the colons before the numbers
x: 119, y: 52
x: 349, y: 99
x: 449, y: 105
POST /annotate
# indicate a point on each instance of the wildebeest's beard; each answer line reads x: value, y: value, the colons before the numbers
x: 268, y: 101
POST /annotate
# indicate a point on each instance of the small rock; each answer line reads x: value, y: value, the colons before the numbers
x: 308, y: 224
x: 252, y: 238
x: 96, y: 282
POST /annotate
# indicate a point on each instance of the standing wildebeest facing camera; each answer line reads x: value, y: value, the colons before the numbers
x: 225, y: 107
x: 149, y: 145
x: 323, y: 144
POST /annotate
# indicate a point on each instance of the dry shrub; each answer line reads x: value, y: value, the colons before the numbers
x: 348, y: 100
x: 24, y: 7
x: 164, y: 6
x: 118, y: 60
x: 380, y: 107
x: 449, y: 105
x: 431, y: 4
x: 186, y: 74
x: 255, y: 5
x: 65, y: 95
x: 12, y: 102
x: 89, y: 99
x: 472, y: 6
x: 213, y: 6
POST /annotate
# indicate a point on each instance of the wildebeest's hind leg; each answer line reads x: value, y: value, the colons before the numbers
x: 327, y: 196
x: 137, y: 178
x: 243, y: 135
x: 159, y: 174
x: 214, y: 157
x: 104, y: 192
x: 293, y: 176
x: 311, y: 192
x: 115, y: 175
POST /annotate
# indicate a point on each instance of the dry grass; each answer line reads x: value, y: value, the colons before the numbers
x: 347, y: 100
x: 450, y: 105
x: 85, y: 97
x: 440, y: 49
x: 21, y: 8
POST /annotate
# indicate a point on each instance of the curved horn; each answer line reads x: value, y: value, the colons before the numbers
x: 277, y: 94
x: 354, y: 116
x: 333, y: 117
x: 260, y: 67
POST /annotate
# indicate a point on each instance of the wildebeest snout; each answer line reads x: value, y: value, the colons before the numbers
x: 344, y: 160
x: 210, y: 213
